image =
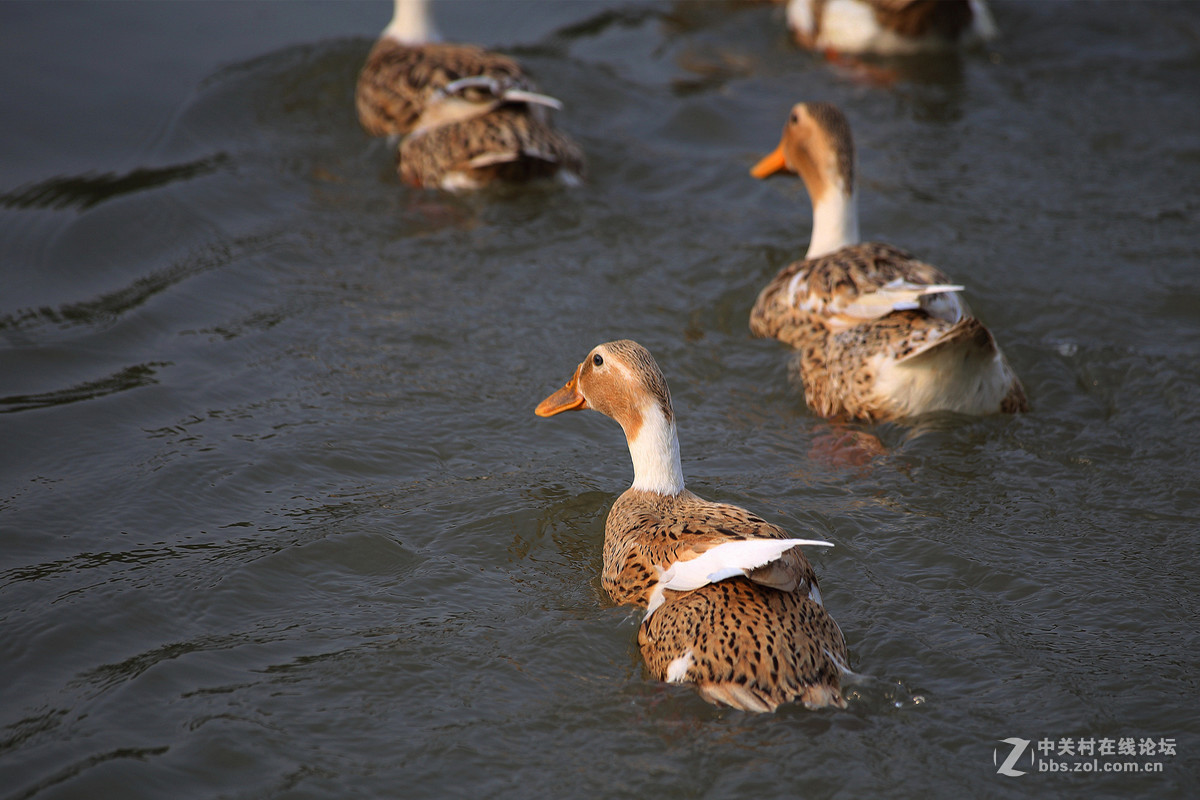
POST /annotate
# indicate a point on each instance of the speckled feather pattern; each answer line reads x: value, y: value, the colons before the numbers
x: 511, y: 142
x: 817, y: 289
x: 841, y: 359
x: 398, y: 80
x: 517, y: 145
x: 744, y: 623
x: 754, y: 642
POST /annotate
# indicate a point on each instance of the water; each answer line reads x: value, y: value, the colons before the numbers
x: 278, y: 519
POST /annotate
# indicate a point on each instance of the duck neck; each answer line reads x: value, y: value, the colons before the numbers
x: 835, y: 220
x: 654, y: 448
x: 411, y: 23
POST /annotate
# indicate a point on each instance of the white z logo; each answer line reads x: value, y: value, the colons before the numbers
x: 1018, y: 747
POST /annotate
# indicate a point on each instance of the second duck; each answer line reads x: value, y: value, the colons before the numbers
x: 880, y: 335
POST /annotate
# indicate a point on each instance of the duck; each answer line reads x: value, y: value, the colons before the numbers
x: 464, y: 117
x: 880, y: 335
x: 889, y: 27
x: 733, y: 607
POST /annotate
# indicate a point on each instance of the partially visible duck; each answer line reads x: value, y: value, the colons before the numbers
x: 507, y: 145
x: 468, y: 116
x: 881, y: 335
x: 888, y: 27
x: 732, y: 605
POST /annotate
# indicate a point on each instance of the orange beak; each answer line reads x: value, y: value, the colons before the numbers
x: 567, y: 398
x: 770, y: 164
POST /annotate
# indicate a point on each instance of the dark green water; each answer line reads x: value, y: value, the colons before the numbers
x: 277, y: 519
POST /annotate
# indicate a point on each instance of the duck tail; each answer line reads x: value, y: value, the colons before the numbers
x: 967, y: 339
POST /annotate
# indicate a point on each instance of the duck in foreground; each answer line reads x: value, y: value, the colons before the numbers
x: 468, y: 117
x: 880, y: 335
x: 888, y: 27
x: 732, y: 605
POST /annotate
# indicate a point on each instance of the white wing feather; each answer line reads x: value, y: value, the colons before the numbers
x: 897, y: 295
x: 726, y: 560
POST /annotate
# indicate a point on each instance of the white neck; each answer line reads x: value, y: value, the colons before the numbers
x: 655, y: 454
x: 835, y: 222
x: 411, y: 23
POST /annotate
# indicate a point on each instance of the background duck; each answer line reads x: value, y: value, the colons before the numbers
x: 881, y: 335
x: 733, y: 606
x: 888, y: 27
x: 469, y: 116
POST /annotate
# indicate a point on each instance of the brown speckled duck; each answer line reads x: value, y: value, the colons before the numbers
x: 889, y: 27
x: 468, y: 117
x: 732, y: 605
x: 880, y: 335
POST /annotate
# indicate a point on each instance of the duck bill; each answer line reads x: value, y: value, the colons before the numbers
x: 769, y: 165
x: 568, y: 398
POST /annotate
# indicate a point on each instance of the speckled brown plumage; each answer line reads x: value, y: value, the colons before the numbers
x: 756, y: 642
x: 748, y: 646
x: 816, y: 290
x: 507, y: 144
x: 398, y: 80
x: 746, y: 627
x: 646, y: 529
x: 471, y: 137
x: 842, y: 358
x: 880, y: 335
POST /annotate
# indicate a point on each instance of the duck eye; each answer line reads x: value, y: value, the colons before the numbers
x: 597, y: 360
x: 794, y: 118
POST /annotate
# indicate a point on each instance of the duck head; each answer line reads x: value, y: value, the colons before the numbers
x: 621, y: 380
x: 817, y: 145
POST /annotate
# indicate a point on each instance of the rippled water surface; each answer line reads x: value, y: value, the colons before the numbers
x: 277, y: 517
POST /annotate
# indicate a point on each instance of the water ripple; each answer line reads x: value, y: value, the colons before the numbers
x: 85, y: 191
x: 131, y: 377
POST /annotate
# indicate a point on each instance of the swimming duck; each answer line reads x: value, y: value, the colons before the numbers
x: 508, y: 145
x: 888, y: 27
x: 732, y: 605
x: 468, y: 116
x: 881, y: 335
